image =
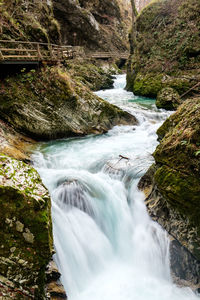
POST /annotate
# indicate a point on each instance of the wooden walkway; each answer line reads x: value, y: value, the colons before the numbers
x: 107, y: 55
x: 18, y: 51
x: 12, y: 52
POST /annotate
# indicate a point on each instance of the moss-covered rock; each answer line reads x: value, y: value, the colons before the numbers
x: 166, y: 51
x: 168, y: 99
x: 26, y: 233
x: 177, y: 157
x: 172, y: 185
x: 56, y: 106
x: 91, y: 74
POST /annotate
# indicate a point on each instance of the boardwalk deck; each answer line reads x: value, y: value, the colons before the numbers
x: 14, y: 52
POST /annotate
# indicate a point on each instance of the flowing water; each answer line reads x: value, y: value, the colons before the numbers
x: 107, y: 247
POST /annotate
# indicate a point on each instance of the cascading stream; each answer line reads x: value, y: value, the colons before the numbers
x: 107, y: 247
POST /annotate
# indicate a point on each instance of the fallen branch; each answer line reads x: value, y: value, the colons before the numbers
x: 190, y: 89
x: 123, y: 157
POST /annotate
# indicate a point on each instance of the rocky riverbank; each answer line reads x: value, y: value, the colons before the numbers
x: 172, y: 188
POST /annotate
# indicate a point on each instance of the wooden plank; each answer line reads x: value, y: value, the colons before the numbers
x: 19, y: 56
x: 29, y: 43
x: 1, y: 56
x: 17, y: 50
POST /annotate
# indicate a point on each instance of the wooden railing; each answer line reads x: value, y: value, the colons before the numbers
x: 18, y: 51
x: 33, y: 51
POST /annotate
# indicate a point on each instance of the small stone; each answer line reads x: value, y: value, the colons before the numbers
x: 19, y: 226
x: 21, y: 261
x: 29, y: 237
x: 8, y: 221
x: 12, y: 249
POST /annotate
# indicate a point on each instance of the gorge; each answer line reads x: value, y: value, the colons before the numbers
x: 105, y: 181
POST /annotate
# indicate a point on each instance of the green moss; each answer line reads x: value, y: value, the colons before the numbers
x: 147, y: 85
x: 28, y: 22
x: 167, y: 43
x: 90, y: 75
x: 181, y: 191
x: 24, y: 200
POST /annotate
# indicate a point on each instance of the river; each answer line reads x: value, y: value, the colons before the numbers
x: 107, y: 247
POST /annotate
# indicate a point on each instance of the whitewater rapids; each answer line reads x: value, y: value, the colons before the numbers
x: 107, y: 247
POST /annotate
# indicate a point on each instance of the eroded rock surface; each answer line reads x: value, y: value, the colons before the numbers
x: 172, y: 187
x: 56, y: 106
x: 96, y: 25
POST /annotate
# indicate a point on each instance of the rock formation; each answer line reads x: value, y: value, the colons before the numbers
x: 172, y: 188
x: 166, y: 51
x: 56, y: 106
x: 96, y: 25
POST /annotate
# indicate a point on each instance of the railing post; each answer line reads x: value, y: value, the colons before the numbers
x: 1, y: 56
x: 38, y: 51
x: 58, y: 54
x: 51, y: 51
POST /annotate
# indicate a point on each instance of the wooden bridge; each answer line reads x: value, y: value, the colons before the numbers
x: 107, y: 55
x: 17, y: 52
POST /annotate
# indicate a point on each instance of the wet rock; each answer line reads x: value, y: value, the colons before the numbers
x: 52, y: 273
x: 71, y: 193
x: 38, y: 108
x: 183, y: 264
x: 56, y: 291
x: 96, y: 25
x: 172, y: 188
x: 54, y: 288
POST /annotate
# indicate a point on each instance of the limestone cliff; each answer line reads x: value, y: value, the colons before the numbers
x: 172, y: 187
x: 166, y: 48
x: 96, y: 25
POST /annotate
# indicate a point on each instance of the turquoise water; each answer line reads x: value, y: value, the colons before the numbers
x: 107, y: 247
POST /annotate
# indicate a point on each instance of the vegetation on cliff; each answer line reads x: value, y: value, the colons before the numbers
x: 166, y: 49
x: 28, y: 21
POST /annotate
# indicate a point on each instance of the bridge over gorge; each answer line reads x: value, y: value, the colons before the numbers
x: 19, y: 52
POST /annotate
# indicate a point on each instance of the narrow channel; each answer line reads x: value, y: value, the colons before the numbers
x: 107, y: 247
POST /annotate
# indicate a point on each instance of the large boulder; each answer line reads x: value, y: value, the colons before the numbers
x: 168, y: 99
x: 48, y: 104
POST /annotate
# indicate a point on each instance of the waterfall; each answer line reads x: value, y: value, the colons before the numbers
x: 107, y: 247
